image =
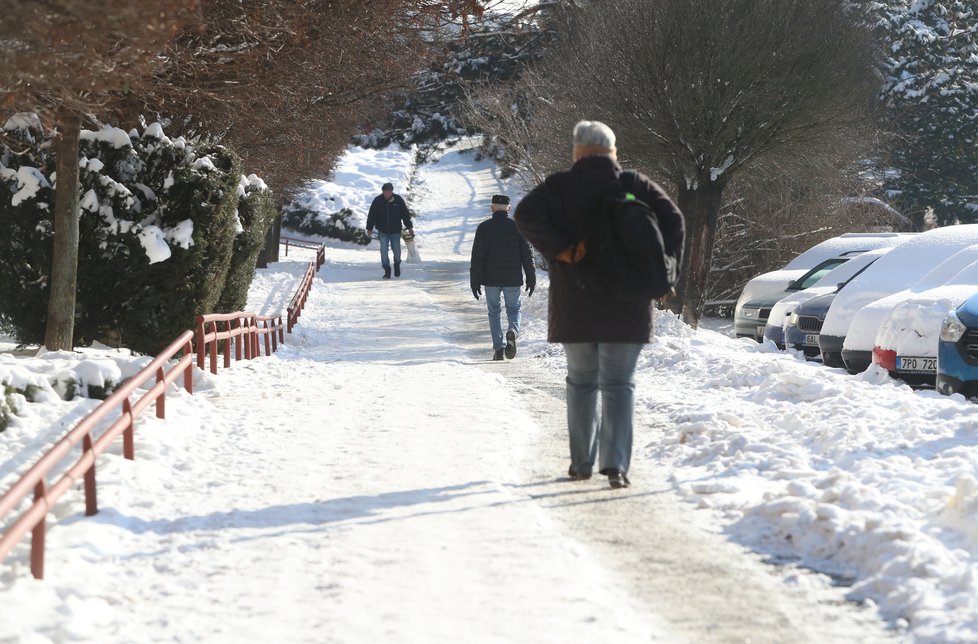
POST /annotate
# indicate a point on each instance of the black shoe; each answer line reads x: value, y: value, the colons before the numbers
x: 387, y: 272
x: 511, y: 344
x: 397, y: 270
x: 578, y: 477
x: 618, y: 479
x: 498, y: 354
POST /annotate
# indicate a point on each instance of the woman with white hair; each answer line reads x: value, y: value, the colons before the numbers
x: 602, y: 334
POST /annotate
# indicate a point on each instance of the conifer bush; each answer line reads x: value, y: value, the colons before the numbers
x: 336, y: 225
x: 256, y: 212
x: 157, y: 230
x: 26, y: 231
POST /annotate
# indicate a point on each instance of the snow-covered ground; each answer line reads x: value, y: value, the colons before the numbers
x: 379, y: 479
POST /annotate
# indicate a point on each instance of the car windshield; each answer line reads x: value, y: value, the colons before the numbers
x: 817, y: 273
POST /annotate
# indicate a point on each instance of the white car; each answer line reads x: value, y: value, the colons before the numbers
x: 827, y: 283
x: 751, y: 323
x: 899, y: 269
x: 907, y: 339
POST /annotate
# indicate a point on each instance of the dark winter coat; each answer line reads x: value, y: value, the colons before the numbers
x: 500, y: 254
x: 553, y: 217
x: 387, y: 216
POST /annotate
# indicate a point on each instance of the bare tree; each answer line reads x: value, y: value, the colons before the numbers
x: 698, y: 91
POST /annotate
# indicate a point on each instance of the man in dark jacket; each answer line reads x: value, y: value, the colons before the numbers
x: 602, y: 335
x: 500, y: 257
x: 387, y: 212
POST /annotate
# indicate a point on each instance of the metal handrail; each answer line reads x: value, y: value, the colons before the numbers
x: 45, y: 495
x: 247, y: 330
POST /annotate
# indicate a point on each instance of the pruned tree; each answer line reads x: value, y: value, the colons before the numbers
x: 700, y: 91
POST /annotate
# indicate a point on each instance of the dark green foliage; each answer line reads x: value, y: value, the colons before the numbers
x: 256, y: 212
x: 173, y: 292
x: 26, y: 234
x: 133, y: 190
x: 110, y: 255
x: 336, y: 225
x: 931, y: 95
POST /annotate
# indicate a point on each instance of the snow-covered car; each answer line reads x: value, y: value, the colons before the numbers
x: 751, y: 323
x: 858, y: 347
x: 762, y: 308
x: 822, y: 279
x: 895, y: 271
x: 957, y: 350
x: 804, y: 316
x: 906, y: 342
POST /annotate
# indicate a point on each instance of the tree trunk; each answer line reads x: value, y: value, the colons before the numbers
x: 701, y: 208
x: 58, y: 334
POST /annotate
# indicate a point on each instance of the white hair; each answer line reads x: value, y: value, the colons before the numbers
x: 594, y: 133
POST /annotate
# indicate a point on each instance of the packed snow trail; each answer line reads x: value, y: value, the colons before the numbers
x: 378, y: 479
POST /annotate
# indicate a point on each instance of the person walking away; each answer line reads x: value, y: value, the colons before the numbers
x: 602, y: 334
x: 500, y: 258
x: 388, y: 212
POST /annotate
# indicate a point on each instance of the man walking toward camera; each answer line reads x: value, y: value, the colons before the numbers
x: 602, y: 334
x: 500, y: 257
x: 387, y: 212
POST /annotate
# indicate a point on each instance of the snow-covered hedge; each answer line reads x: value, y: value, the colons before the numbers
x: 256, y: 212
x: 157, y: 226
x: 338, y: 225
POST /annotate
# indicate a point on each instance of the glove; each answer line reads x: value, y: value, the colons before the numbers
x: 476, y: 291
x: 573, y: 254
x: 529, y: 288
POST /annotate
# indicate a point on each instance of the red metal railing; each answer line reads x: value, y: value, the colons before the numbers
x: 242, y: 330
x: 45, y: 494
x: 246, y: 331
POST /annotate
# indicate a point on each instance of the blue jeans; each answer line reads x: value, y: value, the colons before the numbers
x: 512, y: 296
x: 608, y: 367
x: 389, y: 240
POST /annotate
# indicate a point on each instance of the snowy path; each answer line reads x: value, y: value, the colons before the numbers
x: 378, y: 479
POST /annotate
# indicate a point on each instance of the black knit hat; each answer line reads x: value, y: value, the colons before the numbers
x: 502, y: 200
x: 387, y: 186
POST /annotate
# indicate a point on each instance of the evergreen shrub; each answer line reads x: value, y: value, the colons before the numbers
x: 256, y: 212
x: 336, y: 225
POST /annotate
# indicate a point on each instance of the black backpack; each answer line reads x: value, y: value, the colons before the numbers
x: 625, y: 252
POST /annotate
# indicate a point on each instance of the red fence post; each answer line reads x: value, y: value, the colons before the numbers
x: 213, y: 351
x: 161, y: 399
x: 129, y: 433
x: 91, y: 502
x: 188, y: 369
x: 201, y: 350
x: 37, y: 536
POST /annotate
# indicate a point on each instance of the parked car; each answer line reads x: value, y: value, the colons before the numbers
x: 814, y: 283
x: 762, y: 308
x: 750, y: 324
x: 957, y: 350
x: 893, y: 272
x: 857, y: 348
x: 804, y: 323
x: 906, y: 342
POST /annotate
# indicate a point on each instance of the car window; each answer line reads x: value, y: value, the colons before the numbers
x: 817, y: 273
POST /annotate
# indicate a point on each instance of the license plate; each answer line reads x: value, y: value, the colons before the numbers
x: 811, y: 340
x: 915, y: 364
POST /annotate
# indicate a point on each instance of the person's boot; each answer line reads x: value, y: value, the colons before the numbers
x: 498, y: 354
x: 387, y: 272
x: 511, y: 344
x: 397, y: 269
